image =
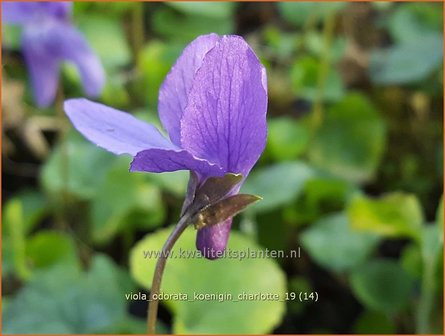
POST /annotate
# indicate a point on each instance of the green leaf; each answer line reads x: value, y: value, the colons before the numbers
x: 277, y: 184
x: 404, y: 25
x: 431, y: 244
x: 372, y: 322
x: 223, y: 276
x: 154, y: 62
x: 298, y: 13
x: 112, y: 9
x: 214, y: 10
x: 314, y: 43
x: 33, y: 206
x: 431, y: 248
x: 439, y: 214
x: 174, y: 182
x: 298, y: 284
x: 268, y: 229
x: 281, y: 43
x: 350, y: 142
x: 305, y: 81
x: 321, y: 195
x: 322, y: 192
x: 132, y: 325
x: 77, y: 168
x: 408, y: 62
x: 411, y: 21
x: 120, y: 196
x: 287, y: 138
x: 393, y: 215
x: 114, y: 94
x: 382, y: 285
x: 11, y: 35
x: 107, y: 38
x: 411, y: 260
x: 13, y: 217
x: 166, y: 22
x: 7, y: 256
x: 348, y: 249
x: 48, y: 248
x: 62, y: 300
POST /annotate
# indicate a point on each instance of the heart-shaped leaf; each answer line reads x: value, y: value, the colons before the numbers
x: 189, y: 274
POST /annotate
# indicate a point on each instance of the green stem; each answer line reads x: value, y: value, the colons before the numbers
x: 137, y: 28
x: 64, y: 158
x: 14, y: 220
x: 328, y: 33
x: 159, y: 271
x: 426, y: 301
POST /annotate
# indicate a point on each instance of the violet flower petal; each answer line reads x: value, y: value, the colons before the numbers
x: 212, y: 240
x: 225, y: 119
x: 18, y: 12
x: 43, y: 69
x: 167, y: 160
x: 114, y: 130
x: 67, y: 43
x: 48, y: 39
x: 58, y: 10
x: 174, y: 90
x: 25, y: 12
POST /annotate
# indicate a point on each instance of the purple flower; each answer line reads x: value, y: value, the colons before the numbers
x: 213, y: 106
x: 48, y: 39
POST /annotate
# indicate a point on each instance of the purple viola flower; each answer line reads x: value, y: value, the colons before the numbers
x: 213, y: 106
x: 49, y: 38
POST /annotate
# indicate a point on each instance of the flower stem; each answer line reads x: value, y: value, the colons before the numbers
x: 64, y: 158
x: 328, y: 33
x: 137, y: 28
x: 426, y: 302
x: 159, y: 271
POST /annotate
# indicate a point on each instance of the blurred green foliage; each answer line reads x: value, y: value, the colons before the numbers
x: 349, y: 249
x: 349, y: 144
x: 352, y: 172
x: 233, y: 276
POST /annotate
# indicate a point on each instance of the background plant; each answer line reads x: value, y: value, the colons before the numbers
x: 352, y: 173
